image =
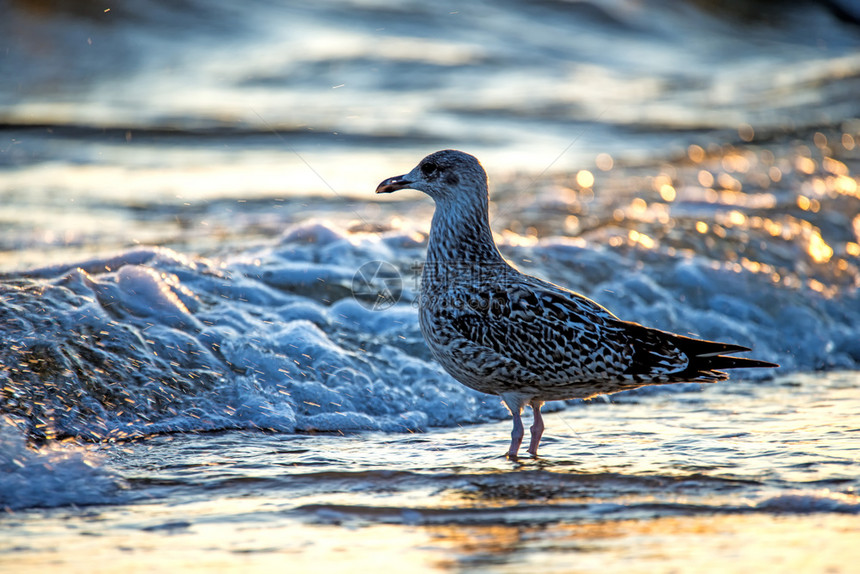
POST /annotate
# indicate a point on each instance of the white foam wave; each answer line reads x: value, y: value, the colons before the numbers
x: 52, y: 475
x: 152, y: 341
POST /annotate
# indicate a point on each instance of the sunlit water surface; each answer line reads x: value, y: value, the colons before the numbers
x: 735, y: 477
x: 190, y: 380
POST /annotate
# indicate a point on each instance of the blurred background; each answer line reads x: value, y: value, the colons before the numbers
x: 138, y: 122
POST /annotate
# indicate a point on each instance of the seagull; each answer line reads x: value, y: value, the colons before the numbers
x: 526, y: 340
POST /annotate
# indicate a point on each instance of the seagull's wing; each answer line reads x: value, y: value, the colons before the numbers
x: 557, y: 335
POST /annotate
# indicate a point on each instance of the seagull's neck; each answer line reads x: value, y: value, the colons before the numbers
x: 460, y: 233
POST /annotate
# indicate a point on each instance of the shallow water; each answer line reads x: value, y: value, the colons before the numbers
x: 210, y: 354
x: 739, y: 475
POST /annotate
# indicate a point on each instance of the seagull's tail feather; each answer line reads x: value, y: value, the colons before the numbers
x: 722, y: 362
x: 705, y: 360
x: 702, y: 348
x: 708, y: 359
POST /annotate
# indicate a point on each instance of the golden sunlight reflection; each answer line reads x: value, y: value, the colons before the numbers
x: 728, y: 182
x: 821, y: 543
x: 805, y: 165
x: 604, y: 162
x: 207, y: 539
x: 765, y: 218
x: 845, y: 185
x: 775, y: 174
x: 517, y: 240
x: 834, y: 166
x: 195, y: 177
x: 696, y: 153
x: 664, y: 186
x: 736, y: 218
x: 746, y: 132
x: 705, y: 178
x: 667, y: 193
x: 818, y: 249
x: 585, y: 178
x: 641, y: 239
x: 737, y: 162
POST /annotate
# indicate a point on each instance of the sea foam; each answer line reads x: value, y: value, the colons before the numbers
x: 153, y: 341
x: 51, y: 475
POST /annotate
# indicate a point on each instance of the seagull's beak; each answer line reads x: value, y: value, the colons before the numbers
x: 394, y: 183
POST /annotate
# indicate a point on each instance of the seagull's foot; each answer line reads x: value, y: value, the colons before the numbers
x: 516, y: 441
x: 533, y: 444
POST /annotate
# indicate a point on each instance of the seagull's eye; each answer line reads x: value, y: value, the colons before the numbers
x: 429, y: 169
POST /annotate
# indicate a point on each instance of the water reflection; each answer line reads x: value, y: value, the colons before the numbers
x: 700, y: 544
x: 764, y: 207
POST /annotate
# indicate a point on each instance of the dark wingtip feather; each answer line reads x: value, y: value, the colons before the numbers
x: 704, y: 348
x: 714, y: 355
x: 722, y: 362
x: 706, y: 359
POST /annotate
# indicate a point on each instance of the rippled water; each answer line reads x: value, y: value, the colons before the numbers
x: 659, y: 480
x: 119, y: 130
x: 194, y: 376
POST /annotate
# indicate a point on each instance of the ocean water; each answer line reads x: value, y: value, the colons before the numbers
x: 210, y: 355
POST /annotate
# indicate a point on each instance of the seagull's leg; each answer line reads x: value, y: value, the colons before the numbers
x: 515, y: 405
x: 516, y: 435
x: 537, y: 428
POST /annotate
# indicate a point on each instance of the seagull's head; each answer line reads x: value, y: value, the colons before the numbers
x: 447, y: 175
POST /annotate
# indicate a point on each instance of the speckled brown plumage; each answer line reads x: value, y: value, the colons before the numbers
x: 506, y: 333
